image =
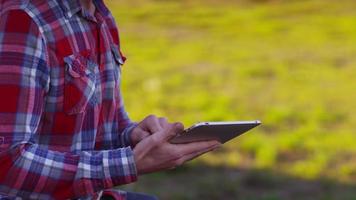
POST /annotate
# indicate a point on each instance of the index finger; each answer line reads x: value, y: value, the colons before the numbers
x: 170, y: 131
x: 157, y: 138
x: 153, y: 124
x: 194, y: 147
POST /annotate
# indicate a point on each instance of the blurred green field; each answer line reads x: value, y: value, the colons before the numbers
x: 291, y: 64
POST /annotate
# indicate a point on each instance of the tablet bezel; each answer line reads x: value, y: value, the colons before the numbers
x: 221, y: 131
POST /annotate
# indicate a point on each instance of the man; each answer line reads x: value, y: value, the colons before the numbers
x: 64, y: 133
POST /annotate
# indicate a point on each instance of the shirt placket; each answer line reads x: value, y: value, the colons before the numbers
x: 101, y: 47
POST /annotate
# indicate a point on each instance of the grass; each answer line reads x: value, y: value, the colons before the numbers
x: 290, y: 64
x: 202, y: 182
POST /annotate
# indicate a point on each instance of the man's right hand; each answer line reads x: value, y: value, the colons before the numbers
x: 155, y: 153
x: 151, y: 124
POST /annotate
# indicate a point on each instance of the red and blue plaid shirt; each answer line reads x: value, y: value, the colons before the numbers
x: 64, y: 132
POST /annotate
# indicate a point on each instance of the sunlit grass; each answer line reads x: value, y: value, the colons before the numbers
x: 291, y: 64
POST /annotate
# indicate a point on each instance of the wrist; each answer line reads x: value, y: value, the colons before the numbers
x: 127, y: 135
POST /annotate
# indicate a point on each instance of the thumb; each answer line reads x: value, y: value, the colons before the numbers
x: 144, y: 146
x: 138, y: 135
x: 148, y: 143
x: 171, y: 131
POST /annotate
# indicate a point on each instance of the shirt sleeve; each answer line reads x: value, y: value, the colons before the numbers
x: 26, y: 169
x: 126, y: 126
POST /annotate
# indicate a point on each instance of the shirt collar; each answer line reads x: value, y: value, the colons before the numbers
x: 71, y: 7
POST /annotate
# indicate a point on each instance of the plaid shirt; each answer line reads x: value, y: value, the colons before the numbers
x: 64, y: 132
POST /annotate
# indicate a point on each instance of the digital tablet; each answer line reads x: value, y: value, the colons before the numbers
x: 220, y: 131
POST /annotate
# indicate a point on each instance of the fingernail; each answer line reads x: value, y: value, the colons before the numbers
x: 178, y: 125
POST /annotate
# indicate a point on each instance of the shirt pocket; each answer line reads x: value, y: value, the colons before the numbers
x: 79, y: 83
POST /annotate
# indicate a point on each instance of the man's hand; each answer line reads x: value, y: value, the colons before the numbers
x: 151, y: 124
x: 155, y: 153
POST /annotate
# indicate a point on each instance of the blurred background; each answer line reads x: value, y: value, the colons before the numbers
x: 289, y: 63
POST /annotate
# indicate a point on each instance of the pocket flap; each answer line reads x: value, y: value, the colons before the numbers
x: 78, y: 65
x: 117, y: 54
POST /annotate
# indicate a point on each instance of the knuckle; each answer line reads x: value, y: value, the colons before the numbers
x: 178, y: 126
x: 147, y: 118
x: 155, y: 140
x: 162, y: 119
x: 151, y: 116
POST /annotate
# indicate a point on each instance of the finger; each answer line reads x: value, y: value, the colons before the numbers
x: 179, y: 127
x: 155, y: 139
x: 191, y: 156
x: 163, y: 122
x: 146, y: 145
x: 193, y: 147
x: 139, y: 135
x: 152, y: 124
x: 171, y: 131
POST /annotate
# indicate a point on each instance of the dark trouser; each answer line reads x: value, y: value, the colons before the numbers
x: 132, y: 196
x: 138, y: 196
